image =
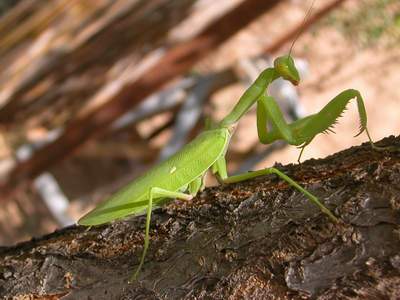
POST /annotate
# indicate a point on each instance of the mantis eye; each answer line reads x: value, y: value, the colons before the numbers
x: 286, y: 68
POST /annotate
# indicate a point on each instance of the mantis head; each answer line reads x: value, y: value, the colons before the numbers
x: 285, y: 67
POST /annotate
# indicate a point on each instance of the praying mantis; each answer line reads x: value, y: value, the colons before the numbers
x: 182, y: 175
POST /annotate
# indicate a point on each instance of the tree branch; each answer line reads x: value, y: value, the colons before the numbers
x: 253, y: 240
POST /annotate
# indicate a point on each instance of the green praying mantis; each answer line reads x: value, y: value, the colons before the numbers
x: 182, y: 175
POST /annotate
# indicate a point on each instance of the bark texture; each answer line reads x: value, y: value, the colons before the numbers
x: 253, y: 240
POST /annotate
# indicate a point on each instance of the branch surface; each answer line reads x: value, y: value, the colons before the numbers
x: 258, y: 239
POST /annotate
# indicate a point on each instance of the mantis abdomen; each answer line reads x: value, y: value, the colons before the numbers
x: 174, y: 174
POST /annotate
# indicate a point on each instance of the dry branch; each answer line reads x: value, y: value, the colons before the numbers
x: 254, y: 240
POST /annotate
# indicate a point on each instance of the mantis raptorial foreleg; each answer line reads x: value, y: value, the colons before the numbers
x: 301, y: 132
x: 268, y: 111
x: 156, y: 192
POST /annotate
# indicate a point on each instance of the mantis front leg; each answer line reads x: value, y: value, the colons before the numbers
x: 301, y: 132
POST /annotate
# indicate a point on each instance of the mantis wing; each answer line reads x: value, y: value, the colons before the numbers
x: 172, y: 175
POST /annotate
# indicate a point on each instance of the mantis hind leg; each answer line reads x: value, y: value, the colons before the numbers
x: 313, y: 199
x: 155, y: 192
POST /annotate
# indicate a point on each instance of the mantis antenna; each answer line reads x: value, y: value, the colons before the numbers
x: 302, y: 24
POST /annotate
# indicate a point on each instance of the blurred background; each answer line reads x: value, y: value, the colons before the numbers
x: 93, y: 93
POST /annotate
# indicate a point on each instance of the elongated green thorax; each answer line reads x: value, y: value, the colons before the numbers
x: 250, y: 96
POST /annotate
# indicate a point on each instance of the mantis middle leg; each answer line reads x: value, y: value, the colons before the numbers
x: 253, y: 174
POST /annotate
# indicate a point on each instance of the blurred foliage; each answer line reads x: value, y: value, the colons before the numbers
x: 369, y: 22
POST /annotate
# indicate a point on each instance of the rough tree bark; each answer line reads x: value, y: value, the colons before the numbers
x: 254, y: 240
